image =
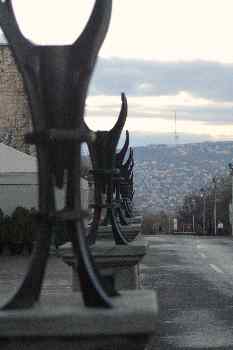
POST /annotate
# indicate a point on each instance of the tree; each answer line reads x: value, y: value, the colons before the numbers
x: 193, y: 205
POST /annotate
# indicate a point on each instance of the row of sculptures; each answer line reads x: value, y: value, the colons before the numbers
x: 56, y: 80
x: 112, y: 203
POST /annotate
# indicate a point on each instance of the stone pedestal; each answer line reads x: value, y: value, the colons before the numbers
x: 64, y: 323
x: 136, y: 219
x: 136, y: 212
x: 130, y: 231
x: 120, y: 262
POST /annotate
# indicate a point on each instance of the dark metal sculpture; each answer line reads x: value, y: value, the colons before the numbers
x: 103, y: 156
x: 126, y: 185
x: 120, y: 156
x: 56, y: 79
x: 121, y: 189
x: 118, y: 163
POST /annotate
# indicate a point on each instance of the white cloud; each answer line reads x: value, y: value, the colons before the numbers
x: 160, y: 126
x: 153, y: 106
x: 155, y: 115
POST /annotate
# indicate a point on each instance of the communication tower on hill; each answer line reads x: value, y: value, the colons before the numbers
x: 176, y: 140
x: 176, y: 136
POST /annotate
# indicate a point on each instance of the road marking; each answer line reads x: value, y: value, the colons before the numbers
x: 203, y: 255
x: 199, y: 246
x: 153, y: 246
x: 145, y: 267
x: 216, y: 268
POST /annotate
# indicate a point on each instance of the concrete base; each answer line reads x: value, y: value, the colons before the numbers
x: 118, y: 261
x: 130, y: 231
x: 136, y: 212
x: 64, y: 323
x: 136, y: 220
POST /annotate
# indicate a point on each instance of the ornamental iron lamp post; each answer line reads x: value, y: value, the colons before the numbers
x: 56, y: 79
x: 193, y: 206
x: 231, y: 173
x: 203, y: 196
x: 215, y: 205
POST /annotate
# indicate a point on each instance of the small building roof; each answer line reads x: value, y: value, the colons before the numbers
x: 13, y: 161
x: 3, y: 40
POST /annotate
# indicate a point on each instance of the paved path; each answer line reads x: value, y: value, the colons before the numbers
x: 194, y: 281
x: 12, y: 269
x: 193, y: 278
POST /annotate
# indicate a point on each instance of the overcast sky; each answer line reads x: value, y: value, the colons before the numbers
x: 165, y: 55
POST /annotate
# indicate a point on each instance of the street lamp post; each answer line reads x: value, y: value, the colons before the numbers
x: 215, y: 207
x: 202, y: 191
x: 193, y: 216
x: 169, y: 223
x: 231, y: 173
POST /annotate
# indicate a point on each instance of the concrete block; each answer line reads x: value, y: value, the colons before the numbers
x: 121, y: 262
x: 136, y: 219
x: 64, y: 323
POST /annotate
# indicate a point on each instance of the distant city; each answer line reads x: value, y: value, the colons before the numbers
x: 164, y: 174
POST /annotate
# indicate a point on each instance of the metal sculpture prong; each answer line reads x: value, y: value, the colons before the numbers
x: 58, y: 131
x: 126, y: 186
x: 117, y: 128
x: 119, y: 160
x: 129, y: 161
x: 120, y: 156
x: 103, y: 156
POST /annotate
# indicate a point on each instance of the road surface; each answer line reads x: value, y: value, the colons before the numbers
x: 193, y: 277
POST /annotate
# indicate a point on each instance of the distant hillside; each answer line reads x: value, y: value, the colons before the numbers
x: 165, y: 173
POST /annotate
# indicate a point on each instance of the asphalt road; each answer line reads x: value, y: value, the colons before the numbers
x: 193, y: 277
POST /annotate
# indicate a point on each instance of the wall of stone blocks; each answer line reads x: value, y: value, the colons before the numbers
x: 14, y: 109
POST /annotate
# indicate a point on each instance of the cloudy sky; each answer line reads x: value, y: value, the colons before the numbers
x: 167, y: 56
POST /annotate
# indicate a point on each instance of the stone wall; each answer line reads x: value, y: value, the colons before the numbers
x: 14, y: 110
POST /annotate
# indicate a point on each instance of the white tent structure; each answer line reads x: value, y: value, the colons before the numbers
x: 19, y: 183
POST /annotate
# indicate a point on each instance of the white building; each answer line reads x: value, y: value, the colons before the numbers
x: 19, y: 183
